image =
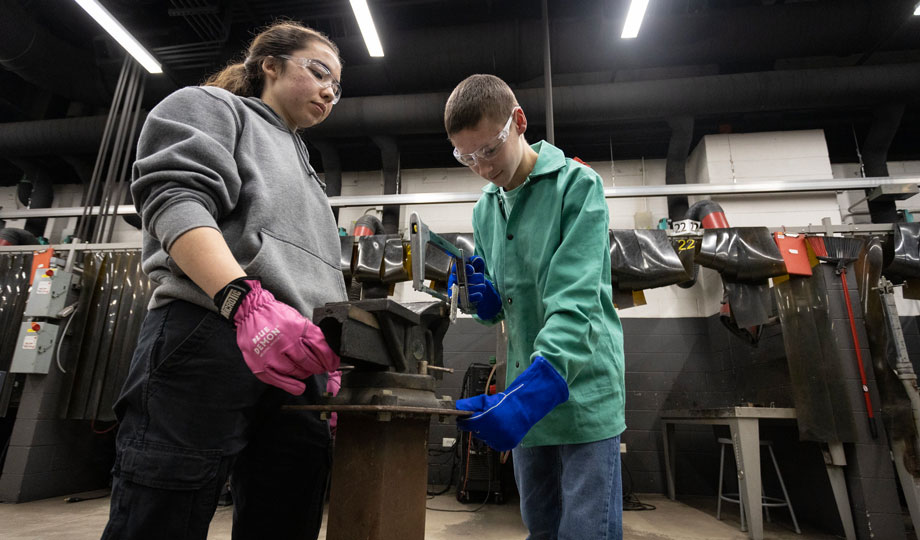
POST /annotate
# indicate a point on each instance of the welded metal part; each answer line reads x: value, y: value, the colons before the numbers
x: 14, y: 285
x: 426, y: 247
x: 422, y: 251
x: 644, y: 259
x: 395, y: 268
x: 348, y: 252
x: 395, y: 411
x: 403, y: 395
x: 818, y: 388
x: 369, y: 258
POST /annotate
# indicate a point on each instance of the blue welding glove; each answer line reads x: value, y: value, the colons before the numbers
x: 482, y: 292
x: 502, y: 420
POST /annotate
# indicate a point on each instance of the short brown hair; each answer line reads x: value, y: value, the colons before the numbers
x: 281, y: 37
x: 477, y: 97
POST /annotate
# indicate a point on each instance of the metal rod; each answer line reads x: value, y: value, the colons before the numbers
x: 839, y: 184
x: 123, y: 177
x: 83, y: 223
x: 118, y: 153
x: 548, y: 77
x: 120, y: 246
x: 863, y: 228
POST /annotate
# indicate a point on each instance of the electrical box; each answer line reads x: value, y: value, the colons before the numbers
x: 49, y: 294
x: 34, y: 347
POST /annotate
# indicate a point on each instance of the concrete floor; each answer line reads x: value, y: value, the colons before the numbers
x: 689, y: 519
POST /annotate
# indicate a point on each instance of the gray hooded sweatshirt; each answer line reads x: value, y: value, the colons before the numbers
x: 209, y: 158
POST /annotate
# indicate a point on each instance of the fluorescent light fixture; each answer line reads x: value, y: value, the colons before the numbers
x: 917, y: 9
x: 634, y: 19
x: 117, y: 31
x: 368, y: 31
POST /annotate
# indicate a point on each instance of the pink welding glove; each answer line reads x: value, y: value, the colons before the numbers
x: 279, y: 345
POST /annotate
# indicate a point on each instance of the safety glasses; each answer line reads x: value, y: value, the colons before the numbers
x: 320, y: 72
x: 488, y: 151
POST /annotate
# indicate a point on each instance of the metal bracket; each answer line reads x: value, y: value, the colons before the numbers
x: 420, y: 236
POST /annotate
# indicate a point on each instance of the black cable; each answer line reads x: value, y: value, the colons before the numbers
x: 631, y: 501
x: 466, y: 386
x: 478, y: 508
x: 88, y: 498
x: 453, y: 466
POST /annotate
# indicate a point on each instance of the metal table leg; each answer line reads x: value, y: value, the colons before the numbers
x: 834, y: 461
x: 669, y: 460
x: 746, y: 444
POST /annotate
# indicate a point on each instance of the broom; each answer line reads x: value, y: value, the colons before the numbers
x: 842, y: 251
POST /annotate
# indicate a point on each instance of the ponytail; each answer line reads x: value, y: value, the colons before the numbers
x: 284, y: 37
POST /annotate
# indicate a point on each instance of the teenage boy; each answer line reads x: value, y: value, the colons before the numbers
x: 543, y: 265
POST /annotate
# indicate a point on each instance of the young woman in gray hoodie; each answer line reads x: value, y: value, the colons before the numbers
x: 241, y: 243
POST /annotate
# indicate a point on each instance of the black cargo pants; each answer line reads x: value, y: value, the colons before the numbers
x: 191, y: 413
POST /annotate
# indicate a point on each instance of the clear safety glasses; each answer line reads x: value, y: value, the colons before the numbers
x: 320, y: 72
x: 489, y: 151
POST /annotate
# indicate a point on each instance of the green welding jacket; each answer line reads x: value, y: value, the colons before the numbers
x: 549, y: 259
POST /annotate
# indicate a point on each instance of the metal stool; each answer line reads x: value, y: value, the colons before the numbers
x: 766, y: 502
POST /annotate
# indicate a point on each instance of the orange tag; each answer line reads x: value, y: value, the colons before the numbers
x: 795, y: 254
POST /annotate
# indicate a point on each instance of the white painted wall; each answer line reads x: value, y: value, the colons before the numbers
x: 766, y: 157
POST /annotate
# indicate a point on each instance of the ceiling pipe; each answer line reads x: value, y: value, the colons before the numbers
x: 643, y: 100
x: 390, y: 155
x: 885, y: 122
x: 63, y: 136
x: 46, y: 61
x: 675, y: 166
x: 41, y: 192
x: 598, y: 104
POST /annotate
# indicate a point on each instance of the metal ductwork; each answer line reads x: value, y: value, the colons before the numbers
x: 17, y: 237
x: 332, y: 170
x: 389, y: 153
x: 595, y: 104
x: 38, y: 189
x: 41, y: 58
x: 885, y: 122
x: 604, y: 103
x: 675, y: 166
x: 65, y: 136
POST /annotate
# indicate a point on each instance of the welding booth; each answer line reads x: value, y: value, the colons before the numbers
x: 806, y: 348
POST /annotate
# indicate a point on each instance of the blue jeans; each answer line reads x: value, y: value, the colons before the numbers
x: 571, y: 491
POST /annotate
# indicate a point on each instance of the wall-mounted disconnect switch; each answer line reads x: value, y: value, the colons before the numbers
x: 34, y: 347
x: 50, y: 291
